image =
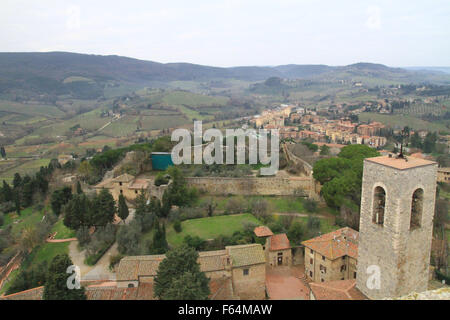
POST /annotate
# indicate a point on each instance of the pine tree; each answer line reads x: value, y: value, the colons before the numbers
x: 79, y: 190
x: 77, y: 212
x: 179, y: 276
x: 17, y: 203
x: 7, y: 192
x: 56, y: 285
x: 123, y: 208
x: 104, y: 208
x: 17, y: 181
x: 27, y: 193
x: 3, y: 152
x: 159, y: 244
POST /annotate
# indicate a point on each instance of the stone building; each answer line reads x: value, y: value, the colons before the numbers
x: 277, y: 249
x: 443, y: 175
x: 332, y: 256
x: 397, y: 208
x: 130, y: 187
x: 125, y: 184
x: 241, y: 268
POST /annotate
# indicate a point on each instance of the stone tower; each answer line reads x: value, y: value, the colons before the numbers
x: 395, y: 233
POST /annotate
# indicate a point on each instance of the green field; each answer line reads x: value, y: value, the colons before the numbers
x: 48, y: 251
x: 193, y: 99
x: 30, y: 109
x: 210, y: 227
x: 400, y: 121
x: 29, y: 167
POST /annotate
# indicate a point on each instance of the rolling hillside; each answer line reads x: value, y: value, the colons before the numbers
x: 86, y: 76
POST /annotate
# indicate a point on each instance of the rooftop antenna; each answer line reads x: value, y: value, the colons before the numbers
x: 404, y: 135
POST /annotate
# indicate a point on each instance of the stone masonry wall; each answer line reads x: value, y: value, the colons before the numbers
x: 251, y: 286
x: 402, y: 255
x: 255, y: 186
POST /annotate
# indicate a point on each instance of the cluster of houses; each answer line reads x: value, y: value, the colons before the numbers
x: 318, y: 128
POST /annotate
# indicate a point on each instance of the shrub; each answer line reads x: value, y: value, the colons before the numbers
x: 113, y: 260
x: 236, y: 205
x: 195, y: 242
x: 2, y: 218
x: 191, y: 213
x: 296, y: 233
x: 177, y: 226
x: 161, y: 179
x: 310, y: 205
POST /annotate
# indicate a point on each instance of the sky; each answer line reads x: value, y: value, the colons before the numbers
x: 235, y: 33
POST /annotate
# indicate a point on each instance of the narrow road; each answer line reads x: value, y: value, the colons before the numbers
x: 98, y: 272
x: 293, y: 214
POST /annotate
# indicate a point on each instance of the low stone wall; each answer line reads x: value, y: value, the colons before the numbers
x: 13, y: 264
x: 301, y: 186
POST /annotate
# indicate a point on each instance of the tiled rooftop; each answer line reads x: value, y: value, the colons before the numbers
x: 401, y: 164
x: 139, y: 184
x: 263, y: 231
x: 336, y: 290
x: 130, y: 268
x: 124, y: 178
x: 279, y: 242
x: 221, y: 289
x: 246, y: 255
x: 133, y: 267
x: 335, y: 244
x: 107, y: 184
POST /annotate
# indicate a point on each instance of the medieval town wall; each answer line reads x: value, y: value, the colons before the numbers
x: 301, y: 186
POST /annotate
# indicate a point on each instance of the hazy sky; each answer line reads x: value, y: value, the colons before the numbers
x: 230, y: 33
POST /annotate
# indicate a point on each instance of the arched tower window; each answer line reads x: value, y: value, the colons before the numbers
x: 379, y: 203
x: 416, y: 209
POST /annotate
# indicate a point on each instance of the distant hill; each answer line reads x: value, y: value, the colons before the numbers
x: 85, y: 76
x: 434, y: 69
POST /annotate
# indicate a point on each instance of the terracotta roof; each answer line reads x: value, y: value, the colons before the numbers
x: 246, y: 255
x: 212, y: 260
x: 30, y: 294
x: 133, y: 267
x: 336, y: 290
x: 143, y: 292
x: 130, y: 268
x: 400, y: 164
x: 221, y: 289
x: 279, y: 242
x: 124, y: 178
x: 263, y: 231
x: 336, y: 244
x: 107, y: 184
x: 139, y: 184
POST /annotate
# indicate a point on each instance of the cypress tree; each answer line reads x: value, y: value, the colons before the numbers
x: 179, y: 276
x: 56, y: 285
x: 123, y: 208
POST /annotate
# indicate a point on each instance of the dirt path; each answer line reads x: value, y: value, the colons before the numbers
x: 98, y: 272
x: 293, y: 214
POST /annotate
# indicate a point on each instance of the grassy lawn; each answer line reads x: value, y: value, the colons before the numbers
x: 62, y: 231
x: 210, y: 227
x: 47, y: 251
x: 11, y: 278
